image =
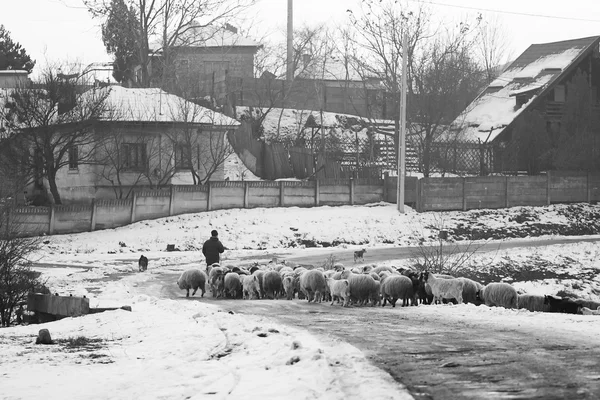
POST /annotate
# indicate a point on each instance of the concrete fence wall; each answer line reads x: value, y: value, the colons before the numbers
x: 425, y: 194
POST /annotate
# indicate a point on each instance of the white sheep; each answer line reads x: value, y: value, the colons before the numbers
x: 499, y: 294
x: 250, y: 287
x: 192, y: 279
x: 340, y: 290
x: 313, y: 285
x: 444, y: 288
x: 382, y: 268
x: 532, y: 302
x: 588, y: 311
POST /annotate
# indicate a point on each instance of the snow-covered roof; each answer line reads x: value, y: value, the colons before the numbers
x: 333, y: 69
x: 155, y: 105
x: 209, y: 37
x: 540, y: 66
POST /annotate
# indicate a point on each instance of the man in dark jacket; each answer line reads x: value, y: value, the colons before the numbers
x: 212, y: 248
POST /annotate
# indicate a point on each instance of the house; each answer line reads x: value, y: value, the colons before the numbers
x: 203, y: 51
x: 145, y: 137
x: 536, y: 80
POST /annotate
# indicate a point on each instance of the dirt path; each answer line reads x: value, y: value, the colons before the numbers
x: 437, y: 355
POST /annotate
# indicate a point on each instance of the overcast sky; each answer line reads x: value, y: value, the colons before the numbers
x: 62, y: 30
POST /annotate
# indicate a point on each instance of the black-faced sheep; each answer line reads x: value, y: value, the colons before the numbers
x: 562, y: 305
x: 271, y: 284
x: 313, y: 284
x: 340, y: 290
x: 233, y: 285
x: 499, y: 294
x: 441, y: 288
x: 394, y: 287
x: 532, y: 302
x: 250, y: 287
x: 192, y: 279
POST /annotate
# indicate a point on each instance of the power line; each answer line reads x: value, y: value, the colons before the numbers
x: 506, y: 12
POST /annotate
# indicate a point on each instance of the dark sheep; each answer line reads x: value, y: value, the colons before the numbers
x: 272, y: 284
x: 562, y: 305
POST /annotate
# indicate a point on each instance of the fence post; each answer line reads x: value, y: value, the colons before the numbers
x: 464, y: 194
x: 418, y: 196
x: 209, y: 197
x: 246, y: 190
x: 51, y: 225
x: 317, y: 193
x: 281, y: 193
x: 93, y: 222
x: 171, y: 200
x: 351, y: 191
x: 133, y: 205
x: 506, y: 202
x: 386, y: 175
x: 548, y: 188
x: 589, y: 191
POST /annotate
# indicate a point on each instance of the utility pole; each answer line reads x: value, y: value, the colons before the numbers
x: 401, y: 142
x: 290, y: 41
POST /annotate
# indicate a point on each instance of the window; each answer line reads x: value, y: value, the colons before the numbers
x: 215, y: 66
x: 134, y: 156
x: 559, y: 93
x: 73, y: 157
x: 183, y: 157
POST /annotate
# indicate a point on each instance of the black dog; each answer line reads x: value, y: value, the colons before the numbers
x: 143, y: 263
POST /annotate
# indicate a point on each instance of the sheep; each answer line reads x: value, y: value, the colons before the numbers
x: 562, y: 305
x: 339, y: 289
x: 381, y: 268
x: 470, y: 289
x: 338, y: 267
x: 396, y: 287
x: 589, y: 311
x: 192, y: 279
x: 250, y: 287
x: 444, y: 288
x: 329, y: 273
x: 271, y: 284
x: 367, y: 268
x: 233, y: 284
x: 313, y: 284
x: 363, y: 288
x: 374, y: 276
x: 499, y: 294
x: 532, y: 302
x: 428, y: 296
x: 215, y: 279
x: 592, y: 305
x: 288, y: 286
x: 259, y: 273
x: 285, y: 270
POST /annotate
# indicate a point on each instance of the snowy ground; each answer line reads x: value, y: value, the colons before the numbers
x: 179, y: 349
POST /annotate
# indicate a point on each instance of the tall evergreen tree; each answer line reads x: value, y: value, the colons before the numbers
x: 121, y: 38
x: 12, y: 54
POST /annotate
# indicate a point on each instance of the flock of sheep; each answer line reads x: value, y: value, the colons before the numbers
x: 368, y: 285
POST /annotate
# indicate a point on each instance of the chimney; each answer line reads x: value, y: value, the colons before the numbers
x: 231, y: 28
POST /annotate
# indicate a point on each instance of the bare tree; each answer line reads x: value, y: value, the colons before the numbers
x: 491, y: 47
x: 51, y: 126
x: 440, y: 69
x: 165, y: 25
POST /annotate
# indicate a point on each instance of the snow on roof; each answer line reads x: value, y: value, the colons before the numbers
x: 155, y: 105
x: 536, y: 69
x: 205, y: 37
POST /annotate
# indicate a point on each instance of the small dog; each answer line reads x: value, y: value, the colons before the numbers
x: 359, y: 255
x: 143, y: 263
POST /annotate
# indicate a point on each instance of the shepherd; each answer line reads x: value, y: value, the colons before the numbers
x: 213, y: 248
